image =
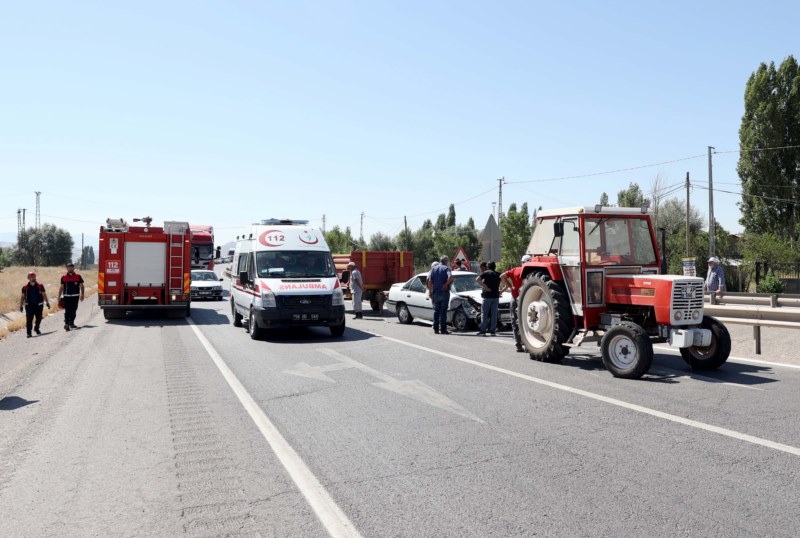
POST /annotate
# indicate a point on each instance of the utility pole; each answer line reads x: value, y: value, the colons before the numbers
x: 361, y: 233
x: 405, y: 225
x: 500, y: 200
x: 323, y: 223
x: 38, y: 211
x: 688, y: 247
x: 712, y: 239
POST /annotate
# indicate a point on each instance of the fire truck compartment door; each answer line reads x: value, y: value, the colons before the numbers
x: 145, y: 263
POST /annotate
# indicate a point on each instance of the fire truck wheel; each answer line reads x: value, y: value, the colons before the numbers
x: 545, y: 318
x: 403, y: 315
x: 715, y: 354
x: 114, y: 314
x: 237, y: 317
x: 627, y: 351
x: 253, y: 329
x: 460, y: 320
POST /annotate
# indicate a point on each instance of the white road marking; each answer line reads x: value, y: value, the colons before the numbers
x: 612, y: 401
x: 330, y: 515
x: 737, y: 359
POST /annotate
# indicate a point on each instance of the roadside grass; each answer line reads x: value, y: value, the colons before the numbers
x: 13, y: 278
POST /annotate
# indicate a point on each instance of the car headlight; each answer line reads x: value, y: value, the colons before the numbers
x: 268, y: 299
x: 337, y: 299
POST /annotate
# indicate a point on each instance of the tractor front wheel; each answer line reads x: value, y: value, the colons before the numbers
x: 545, y: 318
x: 627, y: 351
x: 716, y: 353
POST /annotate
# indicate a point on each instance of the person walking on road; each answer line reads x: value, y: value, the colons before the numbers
x: 357, y: 288
x: 71, y: 292
x: 439, y: 281
x: 715, y: 279
x: 490, y: 282
x: 32, y: 299
x: 512, y: 279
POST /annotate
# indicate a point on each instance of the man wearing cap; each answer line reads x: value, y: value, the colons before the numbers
x: 715, y: 279
x: 512, y: 279
x: 439, y: 280
x: 71, y: 291
x: 32, y: 298
x: 357, y: 288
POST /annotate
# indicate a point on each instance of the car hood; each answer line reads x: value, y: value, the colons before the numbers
x: 505, y: 297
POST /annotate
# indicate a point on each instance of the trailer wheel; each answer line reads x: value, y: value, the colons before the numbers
x: 460, y: 320
x: 403, y: 314
x: 545, y: 318
x: 627, y: 351
x: 716, y: 353
x: 375, y: 304
x: 237, y: 317
x: 253, y: 329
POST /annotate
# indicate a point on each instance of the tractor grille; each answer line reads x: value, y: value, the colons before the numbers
x: 687, y: 297
x: 304, y: 301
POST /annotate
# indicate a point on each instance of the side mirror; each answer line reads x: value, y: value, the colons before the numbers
x: 218, y: 253
x: 558, y: 229
x: 345, y: 276
x: 243, y: 277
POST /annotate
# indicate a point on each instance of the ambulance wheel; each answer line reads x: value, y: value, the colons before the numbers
x: 237, y: 317
x: 545, y: 318
x: 253, y: 329
x: 716, y: 353
x: 337, y: 330
x: 627, y: 351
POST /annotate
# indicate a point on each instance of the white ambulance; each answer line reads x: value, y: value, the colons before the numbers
x: 282, y: 276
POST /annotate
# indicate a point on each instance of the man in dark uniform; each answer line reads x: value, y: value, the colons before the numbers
x: 32, y: 298
x: 71, y: 291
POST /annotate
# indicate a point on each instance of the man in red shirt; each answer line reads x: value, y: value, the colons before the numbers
x: 71, y: 292
x: 513, y: 282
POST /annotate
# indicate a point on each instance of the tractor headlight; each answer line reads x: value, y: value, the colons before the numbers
x: 678, y: 315
x: 695, y: 314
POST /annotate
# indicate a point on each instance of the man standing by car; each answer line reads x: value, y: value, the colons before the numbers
x: 357, y: 288
x: 439, y: 281
x: 512, y: 279
x: 490, y: 282
x: 71, y: 291
x: 32, y: 298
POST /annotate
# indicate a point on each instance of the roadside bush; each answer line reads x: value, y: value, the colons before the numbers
x: 771, y: 284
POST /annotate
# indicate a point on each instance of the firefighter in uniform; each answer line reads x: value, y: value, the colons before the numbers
x: 32, y: 298
x: 71, y: 292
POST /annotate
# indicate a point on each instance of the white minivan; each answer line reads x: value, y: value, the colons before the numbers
x: 283, y: 275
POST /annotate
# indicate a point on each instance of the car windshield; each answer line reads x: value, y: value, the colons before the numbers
x: 204, y: 275
x: 465, y: 282
x: 295, y: 263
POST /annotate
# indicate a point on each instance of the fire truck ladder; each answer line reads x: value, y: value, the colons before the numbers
x: 177, y: 251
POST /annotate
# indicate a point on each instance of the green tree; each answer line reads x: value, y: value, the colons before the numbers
x: 470, y: 223
x: 631, y: 197
x: 47, y: 246
x: 381, y: 241
x: 423, y: 247
x: 441, y: 222
x: 5, y: 257
x: 516, y: 230
x: 451, y: 216
x: 604, y: 200
x: 340, y: 242
x: 88, y: 255
x: 771, y: 178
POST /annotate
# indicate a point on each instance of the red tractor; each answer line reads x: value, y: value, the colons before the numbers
x: 594, y: 274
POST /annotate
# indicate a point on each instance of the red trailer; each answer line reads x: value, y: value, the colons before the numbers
x: 379, y: 269
x: 144, y: 268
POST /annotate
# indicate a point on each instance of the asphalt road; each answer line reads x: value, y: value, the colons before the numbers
x: 155, y: 427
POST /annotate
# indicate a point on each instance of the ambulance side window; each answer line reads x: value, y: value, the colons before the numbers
x: 243, y: 263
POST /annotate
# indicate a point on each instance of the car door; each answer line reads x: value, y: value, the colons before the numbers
x: 417, y: 299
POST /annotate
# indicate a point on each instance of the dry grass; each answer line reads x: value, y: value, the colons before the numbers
x: 13, y: 278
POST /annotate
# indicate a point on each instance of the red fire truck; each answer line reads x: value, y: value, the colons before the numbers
x: 144, y: 268
x: 202, y: 254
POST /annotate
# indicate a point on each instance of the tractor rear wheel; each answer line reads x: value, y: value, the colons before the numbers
x: 627, y: 351
x: 716, y: 353
x: 545, y: 318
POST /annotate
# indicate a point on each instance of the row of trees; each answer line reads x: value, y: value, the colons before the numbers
x: 46, y: 246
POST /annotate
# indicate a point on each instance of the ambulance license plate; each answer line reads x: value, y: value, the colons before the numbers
x: 305, y: 317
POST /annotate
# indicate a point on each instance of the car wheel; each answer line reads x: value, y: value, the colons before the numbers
x: 403, y: 314
x: 460, y: 320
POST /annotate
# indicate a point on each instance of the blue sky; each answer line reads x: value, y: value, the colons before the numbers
x: 229, y: 112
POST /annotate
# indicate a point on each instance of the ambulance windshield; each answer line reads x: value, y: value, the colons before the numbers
x: 295, y: 264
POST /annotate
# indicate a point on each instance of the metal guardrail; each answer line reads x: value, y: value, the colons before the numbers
x: 757, y: 310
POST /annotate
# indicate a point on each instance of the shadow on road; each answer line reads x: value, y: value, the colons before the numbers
x: 10, y: 403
